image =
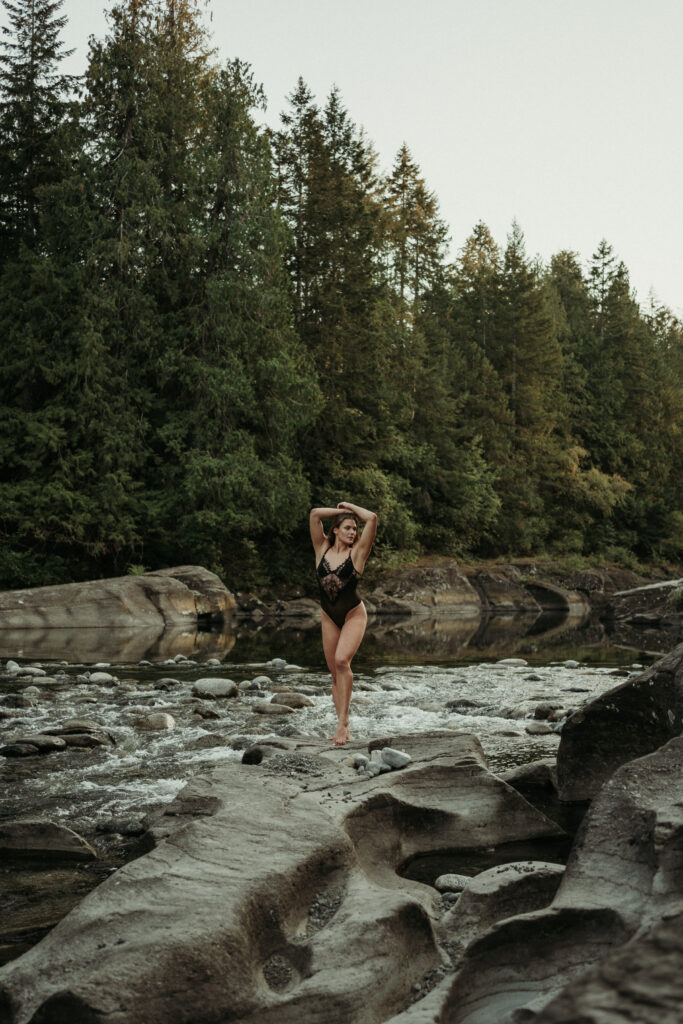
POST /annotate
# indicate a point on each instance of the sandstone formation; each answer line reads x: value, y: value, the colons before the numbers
x: 169, y: 597
x: 276, y: 892
x: 631, y: 720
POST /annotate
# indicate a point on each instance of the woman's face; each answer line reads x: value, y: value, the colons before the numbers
x: 347, y: 532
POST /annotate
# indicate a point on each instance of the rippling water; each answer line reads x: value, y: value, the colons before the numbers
x: 84, y: 788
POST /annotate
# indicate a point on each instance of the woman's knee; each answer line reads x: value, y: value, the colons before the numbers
x: 341, y: 663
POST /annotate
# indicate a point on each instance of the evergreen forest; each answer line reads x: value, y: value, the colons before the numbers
x: 209, y: 326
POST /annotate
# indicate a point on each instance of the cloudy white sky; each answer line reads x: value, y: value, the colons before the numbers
x: 564, y: 114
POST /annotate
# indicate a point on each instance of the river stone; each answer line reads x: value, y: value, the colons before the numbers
x: 451, y: 883
x: 44, y: 742
x: 102, y: 678
x: 538, y: 728
x: 268, y: 708
x: 102, y: 664
x: 206, y: 711
x: 44, y: 839
x: 292, y: 700
x: 513, y: 662
x: 395, y: 758
x: 570, y: 663
x: 156, y: 720
x: 19, y: 750
x: 12, y: 667
x: 87, y: 740
x: 215, y: 688
x: 544, y: 710
x: 277, y: 664
x: 214, y: 662
x: 208, y: 741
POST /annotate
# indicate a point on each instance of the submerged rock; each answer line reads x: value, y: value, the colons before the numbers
x: 42, y: 839
x: 156, y: 720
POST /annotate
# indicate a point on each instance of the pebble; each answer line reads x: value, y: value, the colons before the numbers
x: 544, y: 710
x: 513, y: 662
x: 102, y: 678
x: 292, y: 700
x: 538, y: 729
x: 533, y: 678
x: 215, y: 688
x: 265, y: 708
x: 277, y: 664
x: 12, y: 667
x: 395, y: 758
x: 570, y: 663
x: 43, y: 742
x: 102, y: 664
x: 157, y: 720
x: 391, y: 687
x: 19, y: 750
x: 206, y: 711
x: 213, y: 661
x: 32, y: 670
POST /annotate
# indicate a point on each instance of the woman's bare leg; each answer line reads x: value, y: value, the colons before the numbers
x: 349, y: 640
x: 331, y: 635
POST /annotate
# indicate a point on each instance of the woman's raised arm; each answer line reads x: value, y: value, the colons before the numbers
x: 368, y: 535
x: 315, y: 523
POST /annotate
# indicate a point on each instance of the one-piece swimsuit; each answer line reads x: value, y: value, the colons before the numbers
x: 338, y: 589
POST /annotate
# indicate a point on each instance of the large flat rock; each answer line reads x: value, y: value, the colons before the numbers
x: 274, y: 893
x: 152, y: 601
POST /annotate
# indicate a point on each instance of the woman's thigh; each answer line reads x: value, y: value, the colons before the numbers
x: 331, y: 634
x: 352, y: 632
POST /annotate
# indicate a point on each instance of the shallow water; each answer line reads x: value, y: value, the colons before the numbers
x: 146, y: 768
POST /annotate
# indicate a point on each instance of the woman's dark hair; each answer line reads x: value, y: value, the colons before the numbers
x: 337, y: 521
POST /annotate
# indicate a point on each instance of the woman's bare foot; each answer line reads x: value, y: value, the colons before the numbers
x: 341, y: 735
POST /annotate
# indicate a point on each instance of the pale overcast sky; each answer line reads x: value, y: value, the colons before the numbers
x: 565, y: 114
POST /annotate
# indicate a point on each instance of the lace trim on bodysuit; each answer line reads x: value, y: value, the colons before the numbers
x: 338, y: 589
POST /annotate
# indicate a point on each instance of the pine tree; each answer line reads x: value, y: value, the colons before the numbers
x: 34, y: 103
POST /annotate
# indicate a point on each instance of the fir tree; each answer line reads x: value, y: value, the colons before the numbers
x: 33, y: 107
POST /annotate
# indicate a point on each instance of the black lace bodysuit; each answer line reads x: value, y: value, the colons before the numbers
x: 338, y: 589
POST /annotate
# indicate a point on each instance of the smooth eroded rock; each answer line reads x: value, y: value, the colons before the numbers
x: 630, y: 721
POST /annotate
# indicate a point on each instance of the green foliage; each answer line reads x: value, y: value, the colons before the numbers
x: 208, y: 327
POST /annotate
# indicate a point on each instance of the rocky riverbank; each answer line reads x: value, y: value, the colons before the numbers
x: 293, y: 886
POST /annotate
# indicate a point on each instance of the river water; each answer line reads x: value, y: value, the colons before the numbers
x: 409, y: 684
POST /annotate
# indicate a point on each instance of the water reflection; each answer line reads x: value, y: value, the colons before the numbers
x: 115, y: 645
x: 553, y: 634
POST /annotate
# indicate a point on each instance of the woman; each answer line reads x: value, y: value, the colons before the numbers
x: 340, y: 557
